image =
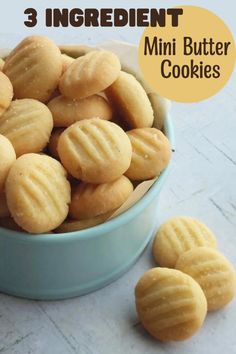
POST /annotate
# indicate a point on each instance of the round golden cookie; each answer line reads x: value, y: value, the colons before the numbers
x: 178, y: 235
x: 2, y: 62
x: 53, y: 142
x: 6, y: 93
x: 34, y: 68
x: 7, y: 158
x: 90, y: 200
x: 151, y: 153
x: 27, y: 124
x: 170, y: 304
x: 131, y: 101
x: 90, y: 74
x: 213, y: 272
x: 95, y: 150
x: 38, y: 193
x: 4, y: 211
x: 67, y: 111
x: 66, y: 62
x: 78, y: 225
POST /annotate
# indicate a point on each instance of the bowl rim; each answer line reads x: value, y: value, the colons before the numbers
x: 102, y: 229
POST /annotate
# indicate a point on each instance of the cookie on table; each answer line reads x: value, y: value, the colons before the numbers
x: 7, y: 158
x: 66, y: 62
x: 95, y: 150
x: 27, y: 124
x: 2, y: 62
x: 6, y: 93
x: 131, y: 101
x: 38, y: 193
x: 213, y: 272
x: 78, y: 225
x: 90, y: 74
x: 53, y: 142
x: 178, y: 235
x: 151, y: 153
x: 170, y: 304
x: 34, y: 68
x: 90, y: 200
x: 67, y: 111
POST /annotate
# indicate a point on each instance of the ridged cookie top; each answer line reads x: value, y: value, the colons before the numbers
x: 178, y: 235
x: 131, y: 101
x: 7, y: 158
x: 27, y: 124
x: 170, y: 304
x: 38, y: 193
x: 95, y: 150
x: 67, y: 111
x: 213, y: 272
x: 34, y: 68
x: 90, y: 74
x: 89, y: 200
x: 6, y: 93
x: 151, y: 153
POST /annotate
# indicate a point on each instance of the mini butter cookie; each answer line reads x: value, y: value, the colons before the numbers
x: 34, y: 68
x: 78, y: 225
x: 213, y: 272
x: 170, y: 304
x: 27, y: 124
x: 66, y: 62
x: 53, y: 142
x: 2, y: 62
x: 67, y: 111
x: 90, y: 74
x: 38, y: 193
x: 90, y: 200
x: 95, y: 150
x: 131, y: 101
x: 178, y: 235
x: 6, y: 93
x: 7, y: 158
x: 151, y: 153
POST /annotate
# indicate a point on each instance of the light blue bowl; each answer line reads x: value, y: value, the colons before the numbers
x: 59, y: 266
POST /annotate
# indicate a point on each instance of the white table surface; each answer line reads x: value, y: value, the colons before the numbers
x: 202, y: 183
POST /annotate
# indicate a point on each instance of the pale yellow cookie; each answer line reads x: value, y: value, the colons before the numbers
x: 53, y: 142
x: 178, y: 235
x: 34, y: 68
x: 2, y: 62
x: 213, y: 272
x: 78, y: 225
x: 27, y: 124
x: 66, y: 62
x: 89, y: 200
x: 67, y: 111
x: 170, y: 304
x: 7, y: 158
x: 151, y: 153
x: 75, y: 51
x: 6, y: 93
x: 38, y: 193
x: 90, y: 74
x: 4, y: 211
x: 95, y: 150
x: 131, y: 101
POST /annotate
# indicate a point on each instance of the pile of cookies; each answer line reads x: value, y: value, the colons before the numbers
x: 75, y: 134
x: 172, y: 303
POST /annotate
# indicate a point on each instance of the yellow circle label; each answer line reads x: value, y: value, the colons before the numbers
x: 190, y: 62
